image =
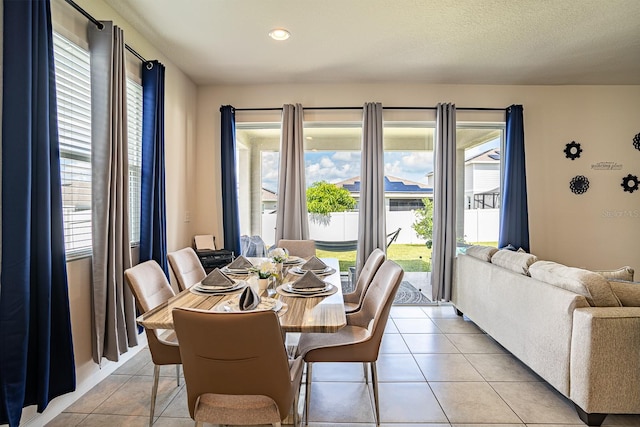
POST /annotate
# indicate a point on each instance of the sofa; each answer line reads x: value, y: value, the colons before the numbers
x: 577, y: 329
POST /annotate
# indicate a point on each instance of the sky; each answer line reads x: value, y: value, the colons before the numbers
x: 335, y: 166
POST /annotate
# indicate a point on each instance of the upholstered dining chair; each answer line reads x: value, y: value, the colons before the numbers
x: 150, y: 288
x: 300, y: 248
x: 353, y: 300
x: 186, y: 266
x: 359, y: 341
x: 236, y: 367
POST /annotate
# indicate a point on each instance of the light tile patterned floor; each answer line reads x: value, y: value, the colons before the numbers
x: 435, y: 370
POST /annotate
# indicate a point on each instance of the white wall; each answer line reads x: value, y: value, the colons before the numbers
x: 596, y: 230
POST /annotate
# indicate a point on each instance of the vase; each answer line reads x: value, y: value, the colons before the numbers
x: 263, y: 284
x: 278, y: 269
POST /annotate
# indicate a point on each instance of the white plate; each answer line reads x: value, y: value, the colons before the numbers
x: 231, y: 306
x: 217, y: 289
x: 324, y: 272
x: 227, y: 270
x: 329, y: 290
x: 290, y: 288
x: 293, y: 260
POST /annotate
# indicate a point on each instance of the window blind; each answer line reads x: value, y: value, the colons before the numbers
x: 73, y: 86
x: 134, y: 117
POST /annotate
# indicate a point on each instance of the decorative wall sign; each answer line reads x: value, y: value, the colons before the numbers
x: 572, y: 150
x: 606, y: 166
x: 636, y: 141
x: 579, y: 184
x: 630, y: 183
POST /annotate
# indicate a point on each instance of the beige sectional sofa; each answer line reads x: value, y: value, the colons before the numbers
x: 567, y: 324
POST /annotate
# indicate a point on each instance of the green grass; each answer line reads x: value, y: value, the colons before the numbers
x: 410, y: 257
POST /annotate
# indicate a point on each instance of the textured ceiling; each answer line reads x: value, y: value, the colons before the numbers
x: 553, y: 42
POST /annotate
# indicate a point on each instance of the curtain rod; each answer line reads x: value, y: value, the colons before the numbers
x: 100, y: 26
x: 384, y: 108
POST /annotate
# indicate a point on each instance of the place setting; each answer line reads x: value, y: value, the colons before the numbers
x: 249, y: 301
x: 309, y: 285
x: 217, y: 283
x: 314, y: 265
x: 240, y: 266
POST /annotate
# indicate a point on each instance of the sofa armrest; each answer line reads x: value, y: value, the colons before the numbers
x: 605, y: 360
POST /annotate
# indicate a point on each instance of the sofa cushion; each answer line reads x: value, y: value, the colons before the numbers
x: 627, y: 292
x: 518, y: 262
x: 622, y: 273
x: 483, y: 253
x: 593, y: 286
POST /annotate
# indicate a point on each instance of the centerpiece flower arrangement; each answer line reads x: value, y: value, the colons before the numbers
x: 265, y: 270
x: 278, y: 255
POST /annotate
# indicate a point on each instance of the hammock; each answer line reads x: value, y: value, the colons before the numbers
x: 349, y: 245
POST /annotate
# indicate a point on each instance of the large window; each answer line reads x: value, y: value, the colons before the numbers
x: 73, y: 85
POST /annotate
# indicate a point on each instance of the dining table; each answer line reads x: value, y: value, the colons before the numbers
x: 298, y: 313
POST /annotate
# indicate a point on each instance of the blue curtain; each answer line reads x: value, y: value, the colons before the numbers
x: 514, y: 217
x: 36, y: 356
x: 230, y: 216
x: 153, y: 211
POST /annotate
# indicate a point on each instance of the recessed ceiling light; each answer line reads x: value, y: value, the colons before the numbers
x: 279, y: 34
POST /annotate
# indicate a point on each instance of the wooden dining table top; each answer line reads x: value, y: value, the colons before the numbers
x: 299, y: 314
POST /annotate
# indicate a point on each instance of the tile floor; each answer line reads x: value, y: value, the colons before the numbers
x: 435, y: 370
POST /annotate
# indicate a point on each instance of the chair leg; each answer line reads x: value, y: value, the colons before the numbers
x: 278, y: 424
x: 154, y: 392
x: 366, y: 372
x: 307, y: 394
x: 296, y: 403
x: 178, y: 375
x: 374, y: 380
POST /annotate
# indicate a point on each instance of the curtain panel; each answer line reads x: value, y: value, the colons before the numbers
x: 372, y: 231
x: 444, y: 203
x: 114, y: 325
x: 153, y: 211
x: 514, y: 216
x: 230, y: 212
x: 36, y: 356
x: 292, y: 221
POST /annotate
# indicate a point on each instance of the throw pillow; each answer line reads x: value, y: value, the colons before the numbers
x: 483, y: 253
x: 622, y: 273
x: 593, y: 286
x: 518, y: 262
x: 627, y: 292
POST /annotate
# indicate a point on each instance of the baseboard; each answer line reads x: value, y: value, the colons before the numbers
x: 60, y: 403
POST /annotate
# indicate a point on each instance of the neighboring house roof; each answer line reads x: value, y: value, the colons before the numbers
x: 269, y: 196
x: 489, y: 156
x: 392, y: 184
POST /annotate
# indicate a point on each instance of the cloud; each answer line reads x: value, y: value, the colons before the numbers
x: 346, y: 156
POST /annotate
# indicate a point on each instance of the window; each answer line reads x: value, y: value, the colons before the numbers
x: 73, y: 85
x: 134, y: 118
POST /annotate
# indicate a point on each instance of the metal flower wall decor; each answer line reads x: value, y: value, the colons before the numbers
x: 572, y: 150
x: 630, y: 183
x: 636, y: 141
x: 579, y: 184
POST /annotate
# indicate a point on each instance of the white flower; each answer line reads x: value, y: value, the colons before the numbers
x: 266, y: 269
x: 278, y: 255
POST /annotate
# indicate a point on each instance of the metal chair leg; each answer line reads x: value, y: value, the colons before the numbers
x: 374, y: 380
x: 178, y: 375
x: 307, y: 394
x: 154, y: 392
x: 366, y: 372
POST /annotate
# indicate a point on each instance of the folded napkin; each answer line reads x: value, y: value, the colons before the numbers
x: 240, y: 262
x: 308, y: 280
x: 217, y: 278
x: 314, y: 263
x: 249, y: 299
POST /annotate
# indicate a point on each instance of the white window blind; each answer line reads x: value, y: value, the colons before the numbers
x: 134, y: 117
x: 73, y: 85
